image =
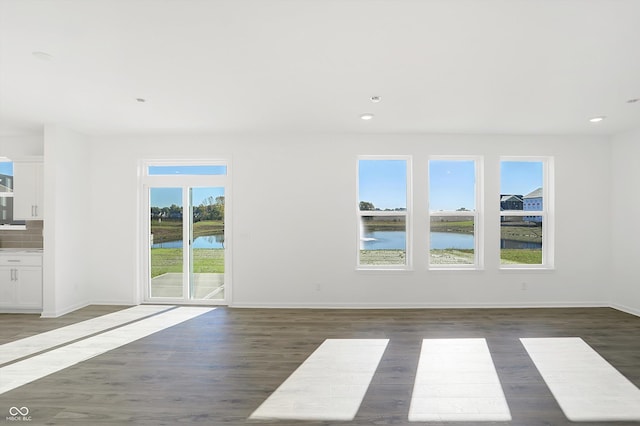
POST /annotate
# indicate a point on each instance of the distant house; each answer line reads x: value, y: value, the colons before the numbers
x: 533, y: 202
x: 6, y: 183
x: 511, y: 202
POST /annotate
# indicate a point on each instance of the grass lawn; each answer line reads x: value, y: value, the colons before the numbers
x: 521, y: 233
x: 461, y: 227
x: 451, y: 257
x: 171, y: 230
x: 382, y: 257
x: 164, y: 260
x: 521, y: 256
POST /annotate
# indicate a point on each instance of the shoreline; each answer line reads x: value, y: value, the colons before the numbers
x: 449, y: 257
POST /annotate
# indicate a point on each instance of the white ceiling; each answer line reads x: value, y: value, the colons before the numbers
x: 452, y: 66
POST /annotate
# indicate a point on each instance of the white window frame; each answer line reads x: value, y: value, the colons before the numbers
x: 476, y: 214
x: 407, y: 214
x: 547, y: 213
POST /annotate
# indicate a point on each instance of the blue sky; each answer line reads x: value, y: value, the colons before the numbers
x: 188, y: 170
x: 451, y: 185
x: 164, y: 197
x: 6, y: 168
x: 451, y: 182
x: 520, y: 177
x: 383, y: 183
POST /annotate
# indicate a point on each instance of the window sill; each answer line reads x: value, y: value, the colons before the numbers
x: 449, y: 269
x: 540, y: 269
x: 383, y: 270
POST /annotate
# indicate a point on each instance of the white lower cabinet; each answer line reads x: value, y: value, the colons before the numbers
x: 20, y: 283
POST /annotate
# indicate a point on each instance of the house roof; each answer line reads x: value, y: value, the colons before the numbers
x: 537, y: 193
x: 510, y: 198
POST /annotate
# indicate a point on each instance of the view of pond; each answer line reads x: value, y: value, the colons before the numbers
x: 380, y: 240
x: 511, y: 244
x: 376, y: 240
x: 205, y: 241
x: 451, y: 240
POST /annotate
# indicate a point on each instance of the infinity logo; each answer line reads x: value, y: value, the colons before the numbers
x: 14, y: 411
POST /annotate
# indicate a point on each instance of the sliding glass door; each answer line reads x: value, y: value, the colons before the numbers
x: 166, y: 236
x: 206, y: 243
x: 187, y: 245
x: 186, y: 259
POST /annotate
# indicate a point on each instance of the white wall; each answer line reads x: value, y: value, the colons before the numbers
x: 624, y: 288
x: 294, y: 221
x: 17, y: 146
x: 67, y: 235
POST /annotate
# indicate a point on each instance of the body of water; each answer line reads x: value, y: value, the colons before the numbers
x: 380, y: 240
x: 377, y: 240
x: 512, y: 244
x: 451, y: 240
x: 205, y: 241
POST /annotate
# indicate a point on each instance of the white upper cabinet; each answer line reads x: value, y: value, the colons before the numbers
x: 28, y: 190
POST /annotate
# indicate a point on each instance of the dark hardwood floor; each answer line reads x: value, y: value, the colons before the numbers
x: 219, y: 367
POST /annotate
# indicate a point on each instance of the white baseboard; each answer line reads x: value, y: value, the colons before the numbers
x: 420, y: 305
x: 626, y: 309
x: 262, y: 305
x: 114, y: 303
x: 59, y: 312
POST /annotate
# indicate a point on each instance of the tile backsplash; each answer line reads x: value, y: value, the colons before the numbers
x: 29, y: 238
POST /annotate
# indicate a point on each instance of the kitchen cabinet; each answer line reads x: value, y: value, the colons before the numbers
x: 20, y: 282
x: 28, y: 194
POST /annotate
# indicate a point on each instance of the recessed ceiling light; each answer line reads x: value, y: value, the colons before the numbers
x: 597, y: 119
x: 375, y: 99
x: 43, y: 56
x: 366, y: 116
x: 633, y: 101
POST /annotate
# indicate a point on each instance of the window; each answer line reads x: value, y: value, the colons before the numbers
x: 525, y: 213
x: 6, y: 196
x: 193, y: 170
x: 453, y: 213
x: 384, y: 212
x: 186, y: 231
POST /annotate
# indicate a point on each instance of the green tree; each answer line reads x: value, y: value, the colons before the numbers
x: 211, y: 209
x: 366, y: 205
x: 218, y: 208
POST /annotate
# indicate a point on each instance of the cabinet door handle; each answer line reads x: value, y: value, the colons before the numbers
x: 16, y: 274
x: 13, y: 274
x: 36, y: 207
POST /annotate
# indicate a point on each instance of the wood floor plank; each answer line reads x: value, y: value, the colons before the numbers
x: 456, y: 380
x: 26, y: 346
x: 587, y: 387
x: 216, y: 369
x: 36, y: 367
x: 329, y: 385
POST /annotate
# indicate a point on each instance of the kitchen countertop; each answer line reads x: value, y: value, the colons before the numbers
x: 20, y: 251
